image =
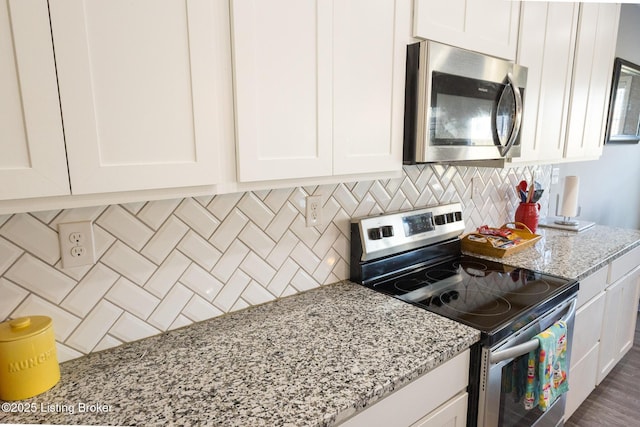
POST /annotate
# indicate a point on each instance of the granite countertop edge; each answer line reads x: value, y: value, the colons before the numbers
x: 570, y: 254
x: 138, y: 378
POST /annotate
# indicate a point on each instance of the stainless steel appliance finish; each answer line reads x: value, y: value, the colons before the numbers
x: 415, y: 256
x: 461, y: 105
x: 497, y: 406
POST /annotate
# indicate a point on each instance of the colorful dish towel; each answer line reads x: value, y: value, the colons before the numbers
x: 547, y: 368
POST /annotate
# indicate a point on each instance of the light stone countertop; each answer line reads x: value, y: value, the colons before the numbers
x: 573, y: 255
x: 312, y: 359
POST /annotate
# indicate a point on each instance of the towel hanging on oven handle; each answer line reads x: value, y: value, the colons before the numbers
x: 526, y: 347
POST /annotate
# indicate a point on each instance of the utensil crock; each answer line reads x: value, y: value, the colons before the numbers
x: 28, y: 359
x: 528, y: 214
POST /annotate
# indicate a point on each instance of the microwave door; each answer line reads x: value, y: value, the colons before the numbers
x: 507, y: 116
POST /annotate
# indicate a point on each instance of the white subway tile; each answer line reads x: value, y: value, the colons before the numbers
x: 283, y: 219
x: 65, y: 353
x: 229, y: 230
x: 155, y: 213
x: 167, y: 274
x: 125, y: 227
x: 283, y: 277
x: 129, y: 328
x: 107, y: 342
x: 199, y: 250
x: 132, y: 298
x: 231, y: 291
x: 12, y: 296
x: 63, y: 321
x: 255, y: 294
x: 200, y: 281
x: 303, y: 281
x: 8, y: 254
x: 40, y: 278
x: 90, y: 290
x: 33, y: 236
x: 129, y: 263
x: 180, y: 322
x: 222, y: 204
x: 256, y: 210
x: 77, y: 214
x: 305, y: 258
x: 276, y: 199
x: 257, y: 269
x: 197, y: 217
x: 94, y: 327
x: 169, y: 309
x: 198, y: 309
x: 257, y: 240
x: 165, y: 240
x: 230, y: 261
x: 282, y: 250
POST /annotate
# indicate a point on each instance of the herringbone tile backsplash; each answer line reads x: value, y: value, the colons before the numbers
x: 165, y: 264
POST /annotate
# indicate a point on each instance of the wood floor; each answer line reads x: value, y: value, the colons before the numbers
x: 616, y: 401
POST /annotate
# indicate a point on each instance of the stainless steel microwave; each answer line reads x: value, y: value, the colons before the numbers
x: 461, y: 105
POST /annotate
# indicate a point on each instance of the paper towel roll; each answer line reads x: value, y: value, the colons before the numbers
x: 569, y: 206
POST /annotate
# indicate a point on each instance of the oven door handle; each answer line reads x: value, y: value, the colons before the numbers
x: 526, y: 347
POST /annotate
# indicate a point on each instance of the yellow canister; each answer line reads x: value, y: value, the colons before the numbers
x: 28, y: 360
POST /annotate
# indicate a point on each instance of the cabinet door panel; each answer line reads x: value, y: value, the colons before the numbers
x: 33, y: 161
x: 141, y: 98
x: 487, y: 26
x: 546, y: 46
x: 595, y: 50
x: 368, y: 84
x: 282, y: 66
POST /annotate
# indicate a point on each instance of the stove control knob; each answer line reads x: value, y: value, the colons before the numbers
x: 387, y: 230
x: 445, y: 298
x: 458, y: 216
x: 375, y: 233
x: 440, y: 219
x: 450, y: 217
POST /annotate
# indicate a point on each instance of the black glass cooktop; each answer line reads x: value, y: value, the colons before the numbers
x: 485, y: 295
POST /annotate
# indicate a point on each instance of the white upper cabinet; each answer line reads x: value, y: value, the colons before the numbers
x: 32, y: 159
x: 546, y: 47
x: 319, y: 89
x: 142, y: 87
x: 485, y: 26
x: 593, y: 67
x: 370, y: 47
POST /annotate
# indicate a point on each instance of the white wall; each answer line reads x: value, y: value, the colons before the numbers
x: 610, y: 186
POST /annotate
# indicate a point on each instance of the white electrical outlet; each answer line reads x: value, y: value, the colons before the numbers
x: 314, y: 211
x: 76, y: 244
x: 555, y: 174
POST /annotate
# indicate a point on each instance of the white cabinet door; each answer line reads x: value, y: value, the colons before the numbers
x: 369, y: 55
x: 486, y: 26
x: 141, y: 88
x: 451, y: 414
x: 593, y: 66
x: 618, y: 328
x: 283, y: 87
x: 546, y: 47
x: 319, y: 89
x: 32, y: 153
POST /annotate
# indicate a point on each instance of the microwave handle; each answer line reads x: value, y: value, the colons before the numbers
x: 526, y: 347
x: 518, y: 119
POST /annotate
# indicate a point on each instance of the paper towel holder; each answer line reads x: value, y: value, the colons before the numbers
x: 566, y: 220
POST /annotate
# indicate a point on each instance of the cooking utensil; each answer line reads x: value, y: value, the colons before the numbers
x: 537, y: 194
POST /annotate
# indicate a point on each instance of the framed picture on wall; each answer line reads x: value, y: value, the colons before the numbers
x: 623, y: 122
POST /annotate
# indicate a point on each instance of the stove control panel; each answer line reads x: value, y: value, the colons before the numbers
x: 386, y: 234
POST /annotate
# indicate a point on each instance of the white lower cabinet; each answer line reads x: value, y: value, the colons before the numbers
x: 437, y: 398
x: 618, y: 328
x: 582, y: 380
x: 451, y: 414
x: 604, y: 326
x: 584, y: 352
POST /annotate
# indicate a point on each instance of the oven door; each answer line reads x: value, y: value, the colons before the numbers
x: 503, y: 377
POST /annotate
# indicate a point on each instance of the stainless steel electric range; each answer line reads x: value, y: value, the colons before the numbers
x: 415, y: 256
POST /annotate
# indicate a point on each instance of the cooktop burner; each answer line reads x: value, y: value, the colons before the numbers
x: 482, y: 294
